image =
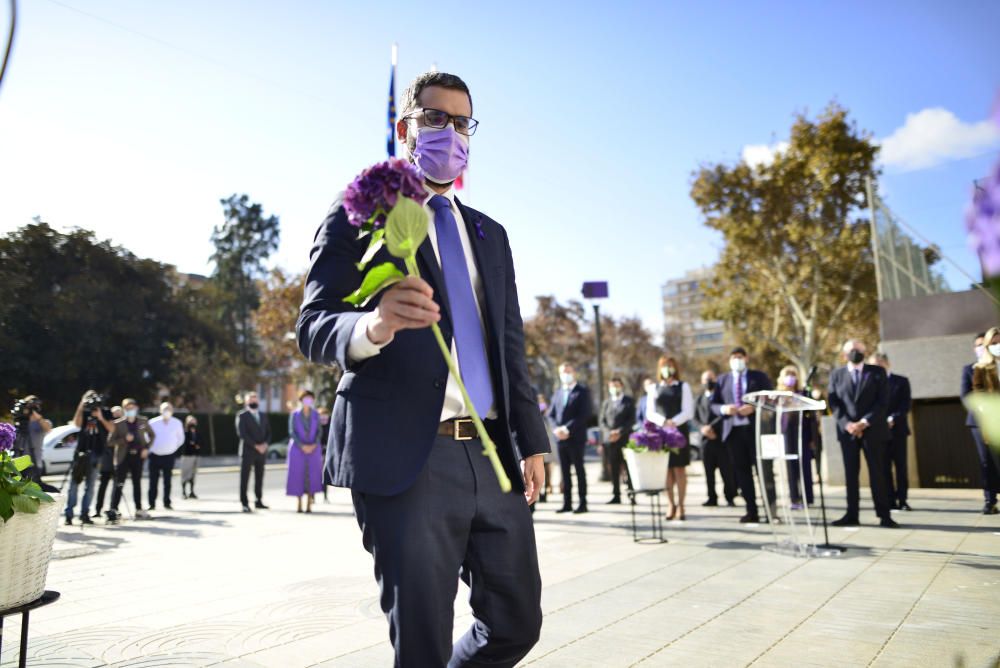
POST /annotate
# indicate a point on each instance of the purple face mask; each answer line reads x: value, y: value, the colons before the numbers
x: 440, y: 154
x: 791, y: 381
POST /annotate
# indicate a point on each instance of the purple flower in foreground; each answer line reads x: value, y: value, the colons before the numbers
x: 7, y: 435
x: 371, y: 196
x: 983, y: 222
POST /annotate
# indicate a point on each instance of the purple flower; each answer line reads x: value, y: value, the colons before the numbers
x: 7, y: 435
x: 982, y: 220
x: 656, y: 439
x: 371, y: 196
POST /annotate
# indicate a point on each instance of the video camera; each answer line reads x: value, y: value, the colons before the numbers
x: 22, y: 410
x: 94, y: 401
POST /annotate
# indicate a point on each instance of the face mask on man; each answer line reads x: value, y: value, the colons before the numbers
x: 567, y: 378
x: 253, y: 405
x: 979, y: 350
x: 738, y: 364
x: 614, y: 392
x: 994, y: 349
x: 131, y: 413
x: 167, y: 414
x: 855, y: 356
x: 710, y: 386
x: 441, y: 154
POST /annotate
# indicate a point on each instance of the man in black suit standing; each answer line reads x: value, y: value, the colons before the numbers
x: 255, y: 433
x: 988, y: 463
x: 739, y: 435
x: 617, y: 416
x: 714, y: 455
x: 859, y: 398
x: 899, y: 432
x: 570, y: 411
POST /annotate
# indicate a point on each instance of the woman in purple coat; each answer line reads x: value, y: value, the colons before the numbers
x: 305, y: 463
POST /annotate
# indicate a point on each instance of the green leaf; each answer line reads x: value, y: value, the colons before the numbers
x: 6, y: 510
x: 374, y: 245
x: 22, y: 462
x: 986, y: 408
x: 24, y: 504
x: 377, y: 279
x: 35, y: 492
x: 405, y: 228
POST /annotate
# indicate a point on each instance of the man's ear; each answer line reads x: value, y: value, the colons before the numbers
x: 402, y: 130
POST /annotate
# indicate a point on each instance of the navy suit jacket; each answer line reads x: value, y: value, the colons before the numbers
x: 756, y: 381
x: 899, y: 405
x: 870, y: 400
x: 970, y: 419
x: 573, y: 414
x: 388, y: 407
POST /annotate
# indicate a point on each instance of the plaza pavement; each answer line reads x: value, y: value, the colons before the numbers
x: 205, y: 585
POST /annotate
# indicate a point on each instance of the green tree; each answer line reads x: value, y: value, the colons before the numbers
x: 796, y: 275
x: 243, y: 243
x: 557, y: 333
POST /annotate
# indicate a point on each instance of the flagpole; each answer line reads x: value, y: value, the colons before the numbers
x: 395, y: 53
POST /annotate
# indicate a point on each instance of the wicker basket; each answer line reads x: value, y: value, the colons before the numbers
x: 25, y: 549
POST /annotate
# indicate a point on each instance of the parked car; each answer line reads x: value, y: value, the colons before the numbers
x: 56, y: 454
x: 277, y: 450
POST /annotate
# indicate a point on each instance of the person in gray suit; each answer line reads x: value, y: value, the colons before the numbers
x: 617, y: 416
x: 254, y: 431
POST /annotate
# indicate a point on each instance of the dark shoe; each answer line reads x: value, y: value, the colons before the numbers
x: 260, y: 504
x: 309, y: 510
x: 69, y: 521
x: 565, y: 509
x: 731, y: 503
x: 581, y: 509
x: 541, y: 498
x: 990, y: 509
x: 750, y: 519
x: 84, y: 519
x: 905, y: 506
x: 185, y: 495
x: 888, y: 523
x: 168, y: 506
x: 152, y: 506
x: 298, y: 510
x: 246, y: 508
x: 615, y: 500
x: 711, y: 503
x: 112, y: 516
x: 846, y: 521
x: 193, y: 495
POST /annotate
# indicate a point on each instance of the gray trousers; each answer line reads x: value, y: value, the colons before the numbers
x: 454, y: 521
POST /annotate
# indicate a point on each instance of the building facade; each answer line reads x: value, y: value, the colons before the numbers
x: 686, y: 333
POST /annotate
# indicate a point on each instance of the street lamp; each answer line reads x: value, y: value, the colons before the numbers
x: 593, y: 291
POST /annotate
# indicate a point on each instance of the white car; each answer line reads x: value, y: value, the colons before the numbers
x: 57, y: 455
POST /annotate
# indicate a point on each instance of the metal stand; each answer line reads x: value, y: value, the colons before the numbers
x: 44, y: 599
x: 837, y: 549
x: 655, y: 514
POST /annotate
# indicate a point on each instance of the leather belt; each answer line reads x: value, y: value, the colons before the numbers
x: 459, y: 429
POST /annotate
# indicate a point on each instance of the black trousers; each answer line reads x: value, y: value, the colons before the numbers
x: 616, y: 463
x: 452, y: 521
x: 131, y: 467
x: 988, y: 465
x: 571, y: 457
x: 102, y: 489
x: 255, y: 460
x: 895, y: 455
x: 743, y: 449
x: 875, y: 458
x: 715, y: 457
x: 160, y: 464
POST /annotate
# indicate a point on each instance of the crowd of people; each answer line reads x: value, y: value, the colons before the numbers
x: 869, y: 403
x: 114, y: 444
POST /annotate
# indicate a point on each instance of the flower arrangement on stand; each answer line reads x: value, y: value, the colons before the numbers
x: 646, y: 455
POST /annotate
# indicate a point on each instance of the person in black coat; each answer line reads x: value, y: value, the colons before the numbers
x: 899, y: 432
x: 859, y: 399
x: 714, y: 455
x: 617, y: 416
x: 254, y: 431
x: 570, y: 410
x: 988, y: 464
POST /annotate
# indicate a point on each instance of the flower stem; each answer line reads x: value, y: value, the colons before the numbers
x: 489, y: 448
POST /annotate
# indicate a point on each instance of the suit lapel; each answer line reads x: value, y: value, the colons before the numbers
x: 481, y: 248
x: 430, y: 270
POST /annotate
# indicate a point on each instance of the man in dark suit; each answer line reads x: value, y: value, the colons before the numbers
x: 254, y: 432
x: 714, y: 455
x: 570, y: 410
x: 899, y: 432
x: 617, y: 417
x: 988, y: 464
x: 428, y: 502
x: 738, y: 431
x: 859, y: 399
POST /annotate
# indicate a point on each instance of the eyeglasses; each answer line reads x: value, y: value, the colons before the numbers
x: 435, y: 118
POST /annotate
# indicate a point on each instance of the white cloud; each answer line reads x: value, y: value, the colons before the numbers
x: 762, y: 154
x: 932, y: 136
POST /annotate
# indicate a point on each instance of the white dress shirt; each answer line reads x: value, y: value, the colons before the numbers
x: 740, y: 379
x: 361, y: 347
x: 168, y: 435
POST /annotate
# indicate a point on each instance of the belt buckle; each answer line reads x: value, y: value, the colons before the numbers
x: 458, y: 429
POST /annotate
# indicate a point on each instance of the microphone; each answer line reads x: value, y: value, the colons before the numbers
x: 808, y: 383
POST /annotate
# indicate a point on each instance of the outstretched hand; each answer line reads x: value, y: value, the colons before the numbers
x: 534, y: 477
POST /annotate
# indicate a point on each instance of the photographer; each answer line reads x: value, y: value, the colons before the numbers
x: 94, y: 427
x: 130, y: 440
x: 31, y: 428
x: 107, y: 464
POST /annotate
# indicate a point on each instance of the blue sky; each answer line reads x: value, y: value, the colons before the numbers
x: 134, y: 118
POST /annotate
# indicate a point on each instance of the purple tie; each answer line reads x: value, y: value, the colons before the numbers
x: 738, y: 391
x: 462, y: 304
